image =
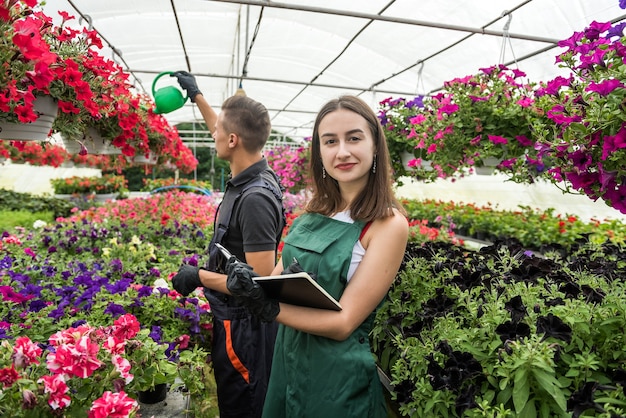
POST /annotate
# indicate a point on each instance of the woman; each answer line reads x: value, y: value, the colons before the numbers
x: 352, y: 238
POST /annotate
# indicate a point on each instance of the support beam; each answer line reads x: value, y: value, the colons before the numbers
x: 369, y: 16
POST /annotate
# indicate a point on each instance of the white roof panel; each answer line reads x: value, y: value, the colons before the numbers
x: 303, y: 53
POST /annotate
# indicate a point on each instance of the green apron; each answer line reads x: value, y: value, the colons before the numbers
x: 314, y: 376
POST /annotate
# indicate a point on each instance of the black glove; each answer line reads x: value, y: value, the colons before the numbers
x: 241, y: 285
x: 188, y: 82
x: 239, y: 281
x: 295, y: 267
x: 187, y: 279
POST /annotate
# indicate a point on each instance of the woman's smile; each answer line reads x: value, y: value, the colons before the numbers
x: 345, y: 166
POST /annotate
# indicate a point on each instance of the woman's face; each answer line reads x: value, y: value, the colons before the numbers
x: 346, y: 147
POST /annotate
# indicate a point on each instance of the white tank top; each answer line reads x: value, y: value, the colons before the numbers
x: 358, y: 251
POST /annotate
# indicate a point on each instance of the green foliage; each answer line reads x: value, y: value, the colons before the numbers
x: 11, y: 219
x: 15, y: 201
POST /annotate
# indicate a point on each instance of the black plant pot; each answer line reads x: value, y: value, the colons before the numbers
x: 155, y: 395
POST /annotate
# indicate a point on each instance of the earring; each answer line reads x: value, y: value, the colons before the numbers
x: 323, y: 172
x: 374, y: 165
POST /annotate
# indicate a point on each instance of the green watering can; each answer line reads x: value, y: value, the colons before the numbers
x: 167, y: 99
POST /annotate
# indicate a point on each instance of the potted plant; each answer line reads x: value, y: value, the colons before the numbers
x: 586, y: 124
x: 97, y: 105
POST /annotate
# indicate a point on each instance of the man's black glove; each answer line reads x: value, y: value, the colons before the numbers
x: 239, y: 281
x: 188, y: 82
x: 241, y: 285
x: 187, y: 279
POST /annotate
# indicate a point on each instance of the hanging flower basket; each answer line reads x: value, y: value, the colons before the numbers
x: 93, y: 142
x: 39, y: 130
x: 151, y: 159
x: 488, y: 167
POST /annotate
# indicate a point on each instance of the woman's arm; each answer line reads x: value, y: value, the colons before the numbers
x: 385, y: 244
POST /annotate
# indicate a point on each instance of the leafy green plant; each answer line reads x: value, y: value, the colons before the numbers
x: 16, y: 201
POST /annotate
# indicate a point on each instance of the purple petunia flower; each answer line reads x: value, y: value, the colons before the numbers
x: 119, y: 287
x: 57, y: 313
x: 115, y: 310
x: 155, y: 333
x: 6, y: 262
x: 144, y: 291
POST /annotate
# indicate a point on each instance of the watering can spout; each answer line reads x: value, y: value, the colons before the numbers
x: 167, y: 99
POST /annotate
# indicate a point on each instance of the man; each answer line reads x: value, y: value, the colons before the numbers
x: 249, y: 223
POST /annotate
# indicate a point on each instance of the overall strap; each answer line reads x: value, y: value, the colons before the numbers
x: 221, y: 223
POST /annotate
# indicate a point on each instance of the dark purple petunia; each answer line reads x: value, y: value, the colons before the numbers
x: 78, y: 323
x: 36, y: 305
x: 49, y: 271
x: 116, y: 265
x: 553, y: 326
x: 516, y: 308
x: 119, y: 287
x: 616, y: 31
x: 155, y: 333
x: 115, y: 310
x: 510, y: 331
x: 57, y: 313
x: 416, y: 102
x: 6, y: 263
x: 144, y: 291
x: 582, y: 400
x: 191, y: 317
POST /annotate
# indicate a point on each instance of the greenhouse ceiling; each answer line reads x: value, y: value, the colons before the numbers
x: 295, y: 56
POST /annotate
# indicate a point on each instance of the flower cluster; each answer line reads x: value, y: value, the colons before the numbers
x: 586, y: 131
x: 289, y: 162
x: 108, y: 183
x: 34, y: 153
x: 475, y: 118
x: 56, y: 377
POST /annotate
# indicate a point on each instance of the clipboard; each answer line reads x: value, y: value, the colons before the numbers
x: 298, y: 289
x: 295, y: 288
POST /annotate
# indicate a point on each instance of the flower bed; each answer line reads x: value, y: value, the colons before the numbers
x: 504, y: 333
x: 77, y: 278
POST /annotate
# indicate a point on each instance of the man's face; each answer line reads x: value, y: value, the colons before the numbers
x: 221, y: 137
